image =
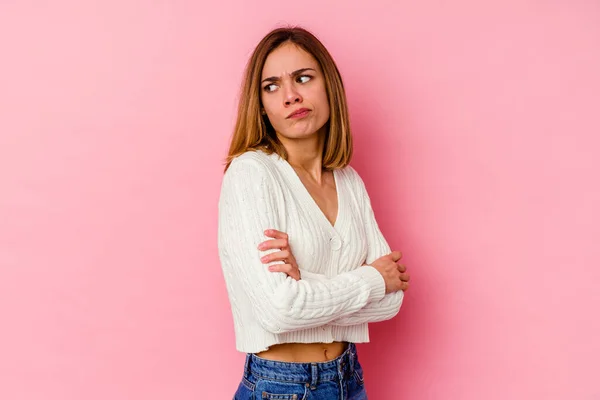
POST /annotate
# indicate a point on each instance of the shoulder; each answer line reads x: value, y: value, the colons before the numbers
x: 356, y: 184
x: 255, y: 163
x: 249, y: 184
x: 353, y: 177
x: 251, y: 169
x: 250, y: 159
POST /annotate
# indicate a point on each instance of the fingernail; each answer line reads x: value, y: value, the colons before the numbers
x: 260, y: 246
x: 271, y: 269
x: 263, y: 259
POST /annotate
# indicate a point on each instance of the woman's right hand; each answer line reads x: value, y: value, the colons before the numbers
x: 280, y: 241
x: 394, y: 274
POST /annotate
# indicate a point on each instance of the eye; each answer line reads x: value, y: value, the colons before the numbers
x: 270, y: 87
x: 304, y: 78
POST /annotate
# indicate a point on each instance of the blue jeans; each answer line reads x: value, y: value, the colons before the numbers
x: 337, y: 379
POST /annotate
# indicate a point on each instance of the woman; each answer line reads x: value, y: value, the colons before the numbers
x: 288, y: 186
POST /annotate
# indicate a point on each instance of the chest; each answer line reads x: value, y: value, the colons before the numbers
x: 326, y: 227
x: 324, y: 196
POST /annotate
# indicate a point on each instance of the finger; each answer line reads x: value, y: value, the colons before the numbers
x: 404, y: 286
x: 292, y: 271
x: 287, y: 269
x: 401, y: 267
x: 277, y: 256
x: 273, y: 244
x: 396, y: 255
x: 404, y: 277
x: 276, y: 234
x: 279, y: 268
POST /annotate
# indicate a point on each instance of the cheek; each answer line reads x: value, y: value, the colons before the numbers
x: 269, y: 105
x: 273, y: 110
x: 265, y: 102
x: 324, y: 106
x: 323, y: 100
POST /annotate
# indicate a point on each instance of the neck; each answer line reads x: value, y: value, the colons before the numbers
x: 306, y: 154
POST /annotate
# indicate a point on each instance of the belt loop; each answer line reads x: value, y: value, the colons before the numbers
x: 247, y: 366
x: 314, y: 373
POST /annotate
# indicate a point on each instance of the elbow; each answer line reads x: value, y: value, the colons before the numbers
x: 395, y: 311
x: 393, y: 308
x: 272, y: 325
x: 389, y: 314
x: 277, y: 322
x: 398, y: 301
x: 396, y: 305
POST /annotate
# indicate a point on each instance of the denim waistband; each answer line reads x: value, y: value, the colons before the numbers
x: 297, y: 372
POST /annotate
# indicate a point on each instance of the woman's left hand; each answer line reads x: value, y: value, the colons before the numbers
x: 280, y: 241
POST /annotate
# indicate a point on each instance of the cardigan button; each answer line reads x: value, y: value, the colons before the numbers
x: 336, y: 243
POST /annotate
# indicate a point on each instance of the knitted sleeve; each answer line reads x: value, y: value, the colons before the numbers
x: 249, y: 204
x: 389, y: 306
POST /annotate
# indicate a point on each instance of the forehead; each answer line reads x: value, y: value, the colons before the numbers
x: 286, y: 59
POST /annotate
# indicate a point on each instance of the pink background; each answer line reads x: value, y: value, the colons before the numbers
x: 477, y: 133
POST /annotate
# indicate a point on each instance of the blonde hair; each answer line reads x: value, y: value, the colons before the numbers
x: 253, y: 130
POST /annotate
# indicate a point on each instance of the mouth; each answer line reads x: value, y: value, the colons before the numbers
x: 300, y: 113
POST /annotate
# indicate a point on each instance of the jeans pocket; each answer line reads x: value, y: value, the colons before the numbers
x: 273, y: 390
x: 358, y: 378
x: 358, y: 374
x: 244, y: 390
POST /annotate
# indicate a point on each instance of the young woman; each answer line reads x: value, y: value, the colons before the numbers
x: 305, y: 263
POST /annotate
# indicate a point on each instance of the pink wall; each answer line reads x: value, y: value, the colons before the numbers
x: 476, y: 136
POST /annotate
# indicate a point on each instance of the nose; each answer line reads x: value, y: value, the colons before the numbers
x: 292, y: 96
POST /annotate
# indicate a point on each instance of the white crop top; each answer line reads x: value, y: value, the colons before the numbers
x: 337, y: 295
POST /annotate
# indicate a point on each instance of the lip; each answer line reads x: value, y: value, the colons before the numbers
x: 299, y: 113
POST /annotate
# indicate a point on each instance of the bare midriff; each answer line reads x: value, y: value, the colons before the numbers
x: 304, y: 352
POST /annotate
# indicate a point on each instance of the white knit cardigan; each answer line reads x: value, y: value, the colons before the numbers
x: 337, y: 295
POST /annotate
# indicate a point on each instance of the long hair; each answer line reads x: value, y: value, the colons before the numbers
x: 253, y: 130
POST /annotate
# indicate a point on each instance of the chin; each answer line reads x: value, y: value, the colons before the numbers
x: 302, y: 135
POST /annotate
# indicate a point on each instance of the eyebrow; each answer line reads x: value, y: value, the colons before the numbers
x: 295, y: 73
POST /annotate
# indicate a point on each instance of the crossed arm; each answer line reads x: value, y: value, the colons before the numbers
x: 247, y: 205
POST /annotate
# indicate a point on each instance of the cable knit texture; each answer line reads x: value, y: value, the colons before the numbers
x: 337, y: 295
